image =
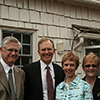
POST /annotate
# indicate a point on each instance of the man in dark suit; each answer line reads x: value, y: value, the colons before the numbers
x: 35, y: 81
x: 11, y: 77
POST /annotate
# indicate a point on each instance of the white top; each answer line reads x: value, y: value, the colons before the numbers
x: 43, y: 74
x: 67, y: 90
x: 6, y: 69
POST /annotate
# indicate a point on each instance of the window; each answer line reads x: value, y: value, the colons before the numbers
x: 25, y: 55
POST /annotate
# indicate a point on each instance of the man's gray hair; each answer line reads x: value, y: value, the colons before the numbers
x: 9, y: 39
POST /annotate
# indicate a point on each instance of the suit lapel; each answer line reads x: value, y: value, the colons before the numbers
x: 56, y: 76
x: 37, y: 71
x: 3, y: 78
x: 17, y: 81
x: 96, y: 85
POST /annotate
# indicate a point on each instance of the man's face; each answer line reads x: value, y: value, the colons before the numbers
x: 10, y: 53
x: 46, y: 51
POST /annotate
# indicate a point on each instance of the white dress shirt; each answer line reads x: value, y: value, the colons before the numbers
x: 43, y: 74
x: 6, y: 69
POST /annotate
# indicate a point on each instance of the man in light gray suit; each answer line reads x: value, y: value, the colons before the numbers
x: 9, y: 49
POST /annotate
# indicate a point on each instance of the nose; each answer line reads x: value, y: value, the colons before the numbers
x: 13, y: 52
x: 68, y: 67
x: 46, y: 51
x: 91, y: 67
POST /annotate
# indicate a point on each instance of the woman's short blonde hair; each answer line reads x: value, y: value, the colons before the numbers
x: 91, y: 56
x: 72, y: 57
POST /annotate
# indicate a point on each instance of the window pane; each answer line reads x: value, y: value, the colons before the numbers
x: 26, y: 39
x: 6, y: 34
x: 20, y: 51
x: 18, y: 36
x: 17, y: 61
x: 26, y: 49
x: 25, y: 60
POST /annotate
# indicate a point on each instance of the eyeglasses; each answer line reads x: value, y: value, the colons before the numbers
x: 90, y: 65
x: 11, y: 50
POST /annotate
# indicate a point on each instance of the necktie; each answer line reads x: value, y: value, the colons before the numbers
x: 50, y: 89
x: 11, y: 85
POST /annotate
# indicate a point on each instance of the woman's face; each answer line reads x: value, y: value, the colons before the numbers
x: 91, y: 68
x: 69, y: 68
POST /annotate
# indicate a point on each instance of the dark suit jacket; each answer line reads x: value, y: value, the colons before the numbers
x: 19, y: 81
x: 33, y: 81
x: 96, y: 89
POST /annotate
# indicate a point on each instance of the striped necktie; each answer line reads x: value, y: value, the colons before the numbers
x: 50, y: 89
x: 11, y: 85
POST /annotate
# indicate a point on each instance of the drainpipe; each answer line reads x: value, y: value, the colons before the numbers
x: 80, y: 43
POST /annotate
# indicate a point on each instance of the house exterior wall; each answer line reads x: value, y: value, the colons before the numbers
x: 51, y: 19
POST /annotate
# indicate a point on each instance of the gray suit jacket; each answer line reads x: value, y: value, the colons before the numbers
x: 19, y: 81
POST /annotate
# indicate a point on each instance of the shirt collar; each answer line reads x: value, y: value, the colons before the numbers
x: 73, y: 83
x: 43, y: 65
x: 5, y: 66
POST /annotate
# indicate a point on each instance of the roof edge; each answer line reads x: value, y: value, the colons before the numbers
x: 88, y: 2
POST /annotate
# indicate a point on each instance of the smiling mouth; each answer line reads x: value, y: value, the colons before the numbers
x: 91, y: 71
x: 47, y: 55
x: 68, y: 72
